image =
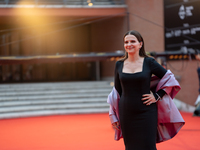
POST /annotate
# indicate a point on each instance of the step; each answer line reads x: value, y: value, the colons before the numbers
x: 89, y: 83
x: 82, y: 95
x: 52, y: 92
x: 28, y: 88
x: 50, y: 107
x: 53, y: 112
x: 36, y: 87
x: 58, y: 101
x: 57, y: 84
x: 39, y: 99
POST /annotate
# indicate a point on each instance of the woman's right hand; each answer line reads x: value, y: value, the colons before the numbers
x: 116, y: 125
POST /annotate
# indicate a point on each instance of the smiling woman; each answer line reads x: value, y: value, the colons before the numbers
x: 132, y: 47
x: 137, y: 110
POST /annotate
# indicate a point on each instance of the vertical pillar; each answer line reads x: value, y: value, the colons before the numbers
x: 128, y: 22
x: 97, y: 70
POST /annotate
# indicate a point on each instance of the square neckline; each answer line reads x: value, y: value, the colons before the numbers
x: 134, y: 72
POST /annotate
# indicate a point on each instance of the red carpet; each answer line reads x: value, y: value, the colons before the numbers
x: 82, y: 132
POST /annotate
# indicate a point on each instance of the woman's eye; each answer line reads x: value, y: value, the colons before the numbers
x: 126, y: 42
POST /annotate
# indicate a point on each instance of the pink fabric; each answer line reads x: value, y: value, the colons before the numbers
x: 170, y: 120
x: 113, y: 99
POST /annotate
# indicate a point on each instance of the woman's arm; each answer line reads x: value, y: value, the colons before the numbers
x: 159, y: 71
x: 117, y: 83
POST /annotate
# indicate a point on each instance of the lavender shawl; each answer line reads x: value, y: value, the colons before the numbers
x: 170, y: 120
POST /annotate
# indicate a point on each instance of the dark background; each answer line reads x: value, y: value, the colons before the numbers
x: 173, y: 23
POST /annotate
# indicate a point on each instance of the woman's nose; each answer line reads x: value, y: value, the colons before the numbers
x: 129, y: 43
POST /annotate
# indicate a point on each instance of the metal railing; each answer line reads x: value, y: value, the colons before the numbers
x: 62, y: 2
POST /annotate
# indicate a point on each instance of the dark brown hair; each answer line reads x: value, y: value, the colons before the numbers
x: 142, y: 52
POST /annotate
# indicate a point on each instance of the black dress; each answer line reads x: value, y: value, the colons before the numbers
x: 138, y: 121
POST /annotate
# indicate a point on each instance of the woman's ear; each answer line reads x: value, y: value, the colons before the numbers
x: 141, y: 43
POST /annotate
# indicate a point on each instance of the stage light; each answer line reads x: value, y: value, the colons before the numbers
x: 185, y: 56
x: 112, y: 59
x: 90, y: 4
x: 171, y: 57
x: 178, y: 57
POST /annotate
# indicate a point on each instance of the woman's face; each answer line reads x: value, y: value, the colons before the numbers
x: 131, y: 44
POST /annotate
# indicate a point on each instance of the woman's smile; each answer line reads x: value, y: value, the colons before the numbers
x: 131, y: 44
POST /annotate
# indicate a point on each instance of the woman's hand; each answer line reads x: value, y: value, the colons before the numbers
x: 116, y: 125
x: 149, y: 99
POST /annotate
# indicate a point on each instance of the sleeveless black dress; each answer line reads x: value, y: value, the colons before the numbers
x: 138, y: 121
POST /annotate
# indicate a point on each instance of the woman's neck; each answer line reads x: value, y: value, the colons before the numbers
x: 133, y: 58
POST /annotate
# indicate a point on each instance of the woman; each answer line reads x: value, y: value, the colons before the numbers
x: 136, y: 109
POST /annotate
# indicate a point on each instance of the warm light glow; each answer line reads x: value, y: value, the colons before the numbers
x: 111, y: 83
x: 37, y: 27
x: 90, y: 4
x: 32, y: 17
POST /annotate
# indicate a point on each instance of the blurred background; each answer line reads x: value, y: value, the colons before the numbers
x: 55, y: 52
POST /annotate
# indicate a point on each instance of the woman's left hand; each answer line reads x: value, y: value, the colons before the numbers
x: 149, y: 99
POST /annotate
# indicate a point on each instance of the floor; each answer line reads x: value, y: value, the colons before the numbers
x: 82, y: 132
